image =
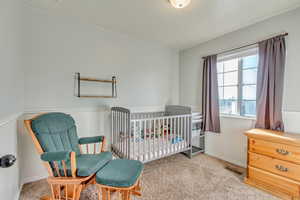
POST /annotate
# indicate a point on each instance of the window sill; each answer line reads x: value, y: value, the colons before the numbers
x: 238, y: 117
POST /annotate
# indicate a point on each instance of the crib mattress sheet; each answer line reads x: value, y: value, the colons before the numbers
x: 153, y: 148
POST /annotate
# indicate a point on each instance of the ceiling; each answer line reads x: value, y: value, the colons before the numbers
x: 157, y: 20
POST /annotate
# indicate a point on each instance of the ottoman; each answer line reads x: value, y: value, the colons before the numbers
x: 120, y: 175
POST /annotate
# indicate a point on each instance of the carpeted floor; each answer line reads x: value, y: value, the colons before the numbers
x: 177, y: 178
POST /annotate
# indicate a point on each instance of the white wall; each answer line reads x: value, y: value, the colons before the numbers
x: 58, y: 46
x: 11, y: 73
x: 11, y: 93
x: 231, y: 144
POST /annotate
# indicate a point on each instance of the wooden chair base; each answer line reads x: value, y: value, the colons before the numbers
x: 63, y: 188
x: 124, y: 193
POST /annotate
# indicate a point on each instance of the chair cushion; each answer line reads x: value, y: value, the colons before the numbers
x: 120, y: 173
x: 88, y: 164
x: 56, y: 132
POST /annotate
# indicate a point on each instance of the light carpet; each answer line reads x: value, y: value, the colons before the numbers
x: 176, y: 178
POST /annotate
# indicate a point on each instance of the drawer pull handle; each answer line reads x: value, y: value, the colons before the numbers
x: 281, y: 168
x: 282, y: 152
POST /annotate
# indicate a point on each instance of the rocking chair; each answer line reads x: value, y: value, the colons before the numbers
x: 70, y: 168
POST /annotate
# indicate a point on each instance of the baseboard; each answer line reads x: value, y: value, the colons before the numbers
x: 230, y: 160
x: 33, y: 179
x: 17, y: 197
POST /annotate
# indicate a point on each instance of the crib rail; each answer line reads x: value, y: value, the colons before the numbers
x: 148, y: 137
x: 145, y: 115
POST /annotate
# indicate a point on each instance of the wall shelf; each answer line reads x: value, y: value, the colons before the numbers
x: 79, y: 79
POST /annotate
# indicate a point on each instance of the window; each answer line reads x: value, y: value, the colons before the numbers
x: 237, y: 83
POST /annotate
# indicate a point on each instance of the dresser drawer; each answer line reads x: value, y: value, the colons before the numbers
x: 276, y: 150
x: 280, y: 167
x: 272, y: 182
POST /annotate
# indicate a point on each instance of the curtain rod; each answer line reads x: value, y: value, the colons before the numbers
x: 247, y: 45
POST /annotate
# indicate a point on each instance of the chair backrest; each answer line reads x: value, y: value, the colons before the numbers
x: 56, y: 132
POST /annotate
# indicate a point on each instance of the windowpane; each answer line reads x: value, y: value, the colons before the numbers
x: 221, y: 94
x: 228, y: 106
x: 230, y: 92
x: 249, y: 76
x: 249, y: 92
x: 249, y: 108
x: 230, y: 85
x: 250, y: 61
x: 231, y: 65
x: 231, y: 78
x: 220, y: 79
x: 220, y: 67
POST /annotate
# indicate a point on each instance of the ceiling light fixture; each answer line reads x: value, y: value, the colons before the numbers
x: 180, y: 3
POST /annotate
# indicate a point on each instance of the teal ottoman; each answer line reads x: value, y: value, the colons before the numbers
x: 120, y: 175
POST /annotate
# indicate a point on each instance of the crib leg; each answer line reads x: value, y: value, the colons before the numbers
x: 190, y: 153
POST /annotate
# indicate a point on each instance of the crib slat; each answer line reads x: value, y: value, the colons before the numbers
x: 149, y: 140
x: 186, y: 132
x: 182, y: 132
x: 171, y: 134
x: 178, y: 133
x: 159, y: 139
x: 134, y: 140
x: 139, y: 140
x: 163, y: 138
x: 118, y: 132
x: 144, y: 141
x: 123, y: 136
x: 112, y: 128
x: 155, y: 140
x: 128, y: 133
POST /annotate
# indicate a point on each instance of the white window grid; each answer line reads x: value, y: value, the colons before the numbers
x: 240, y: 84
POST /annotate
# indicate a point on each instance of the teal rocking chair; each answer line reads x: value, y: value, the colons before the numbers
x: 70, y: 163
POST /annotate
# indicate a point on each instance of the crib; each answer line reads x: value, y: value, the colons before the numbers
x: 149, y: 136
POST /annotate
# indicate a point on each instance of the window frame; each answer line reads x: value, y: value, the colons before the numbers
x: 240, y: 54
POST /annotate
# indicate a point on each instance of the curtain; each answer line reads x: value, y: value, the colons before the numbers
x: 270, y: 75
x: 210, y: 96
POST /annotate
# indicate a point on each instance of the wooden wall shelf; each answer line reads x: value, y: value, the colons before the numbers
x: 113, y: 83
x: 90, y: 96
x: 96, y: 80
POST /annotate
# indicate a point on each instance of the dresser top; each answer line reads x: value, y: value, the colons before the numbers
x: 275, y: 136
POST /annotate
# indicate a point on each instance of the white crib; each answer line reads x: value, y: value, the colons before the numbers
x: 151, y: 135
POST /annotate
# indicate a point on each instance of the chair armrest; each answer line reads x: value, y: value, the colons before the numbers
x: 57, y: 161
x: 90, y: 140
x: 56, y: 156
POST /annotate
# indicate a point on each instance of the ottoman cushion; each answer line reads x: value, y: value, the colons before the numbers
x: 120, y: 173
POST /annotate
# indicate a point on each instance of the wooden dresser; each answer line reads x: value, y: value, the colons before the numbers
x: 274, y: 162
